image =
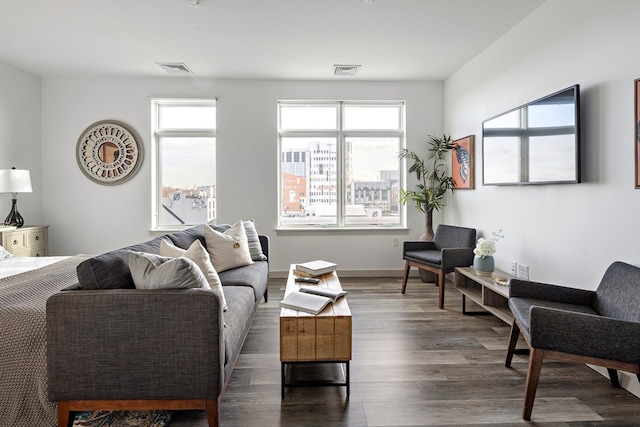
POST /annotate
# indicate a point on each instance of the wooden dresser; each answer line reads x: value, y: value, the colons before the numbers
x: 27, y: 241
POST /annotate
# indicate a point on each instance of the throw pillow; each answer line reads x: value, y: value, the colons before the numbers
x: 111, y: 269
x: 255, y: 248
x: 198, y: 254
x: 150, y: 271
x: 229, y: 249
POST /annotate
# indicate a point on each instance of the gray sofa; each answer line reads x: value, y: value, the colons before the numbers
x: 111, y: 346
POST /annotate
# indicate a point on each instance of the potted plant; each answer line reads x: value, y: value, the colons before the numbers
x: 433, y: 179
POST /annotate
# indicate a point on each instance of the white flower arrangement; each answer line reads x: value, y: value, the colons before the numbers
x: 487, y: 247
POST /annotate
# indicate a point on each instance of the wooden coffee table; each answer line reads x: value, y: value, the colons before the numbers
x: 322, y: 338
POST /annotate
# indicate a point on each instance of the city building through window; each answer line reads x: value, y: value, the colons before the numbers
x: 339, y: 164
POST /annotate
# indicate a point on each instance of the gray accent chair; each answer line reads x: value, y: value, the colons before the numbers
x: 600, y: 327
x: 451, y: 247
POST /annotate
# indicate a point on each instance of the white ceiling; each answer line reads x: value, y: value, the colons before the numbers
x: 263, y: 39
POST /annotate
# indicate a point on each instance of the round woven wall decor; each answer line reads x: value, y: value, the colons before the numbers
x: 109, y: 152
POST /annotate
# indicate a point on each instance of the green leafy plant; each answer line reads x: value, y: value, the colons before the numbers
x: 432, y: 176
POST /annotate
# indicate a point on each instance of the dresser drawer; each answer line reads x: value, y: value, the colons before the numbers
x: 15, y: 241
x: 36, y: 238
x: 31, y: 252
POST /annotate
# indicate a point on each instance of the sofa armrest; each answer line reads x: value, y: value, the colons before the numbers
x: 585, y: 334
x: 135, y: 344
x: 418, y: 245
x: 456, y: 257
x: 544, y: 291
x: 264, y: 243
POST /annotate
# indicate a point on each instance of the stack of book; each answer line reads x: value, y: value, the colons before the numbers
x: 315, y: 268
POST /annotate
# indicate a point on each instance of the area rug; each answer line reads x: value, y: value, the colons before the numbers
x: 122, y: 419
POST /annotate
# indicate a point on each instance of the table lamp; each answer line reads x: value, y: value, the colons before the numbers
x: 15, y: 181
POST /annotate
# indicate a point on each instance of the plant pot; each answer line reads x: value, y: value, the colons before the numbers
x: 483, y: 265
x: 427, y: 276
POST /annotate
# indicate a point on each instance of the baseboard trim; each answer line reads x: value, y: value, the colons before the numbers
x: 628, y: 381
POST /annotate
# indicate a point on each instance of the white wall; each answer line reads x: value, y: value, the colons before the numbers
x: 89, y: 218
x: 566, y: 234
x: 20, y: 137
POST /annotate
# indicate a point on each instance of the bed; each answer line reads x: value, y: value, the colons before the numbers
x: 25, y: 285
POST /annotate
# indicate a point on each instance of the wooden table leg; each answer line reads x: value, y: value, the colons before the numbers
x: 282, y: 379
x: 348, y: 381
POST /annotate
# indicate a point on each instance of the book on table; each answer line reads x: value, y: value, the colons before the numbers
x: 311, y: 300
x: 315, y: 268
x: 334, y: 294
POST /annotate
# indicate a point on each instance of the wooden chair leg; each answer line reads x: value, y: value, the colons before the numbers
x: 212, y: 413
x: 613, y: 376
x: 513, y: 340
x: 63, y: 414
x: 440, y: 279
x: 407, y: 267
x: 533, y: 375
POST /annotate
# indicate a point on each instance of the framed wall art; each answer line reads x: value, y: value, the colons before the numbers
x: 109, y: 152
x: 462, y: 169
x: 636, y: 125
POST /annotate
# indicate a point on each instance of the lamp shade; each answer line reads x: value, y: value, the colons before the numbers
x: 15, y: 181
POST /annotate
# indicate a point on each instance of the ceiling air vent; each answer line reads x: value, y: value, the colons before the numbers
x: 175, y: 67
x: 346, y: 70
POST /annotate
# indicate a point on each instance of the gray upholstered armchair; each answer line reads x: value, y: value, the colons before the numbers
x: 451, y: 247
x: 600, y: 327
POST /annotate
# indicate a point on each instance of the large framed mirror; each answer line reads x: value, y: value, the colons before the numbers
x: 109, y: 152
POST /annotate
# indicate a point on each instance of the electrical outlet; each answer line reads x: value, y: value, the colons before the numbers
x: 514, y: 268
x: 523, y: 272
x: 395, y: 242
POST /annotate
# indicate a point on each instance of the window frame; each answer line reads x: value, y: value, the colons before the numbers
x: 156, y: 153
x: 341, y: 136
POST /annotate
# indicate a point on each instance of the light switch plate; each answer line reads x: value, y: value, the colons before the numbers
x: 523, y: 272
x: 514, y: 268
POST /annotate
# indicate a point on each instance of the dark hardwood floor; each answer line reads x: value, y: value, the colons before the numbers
x: 413, y: 365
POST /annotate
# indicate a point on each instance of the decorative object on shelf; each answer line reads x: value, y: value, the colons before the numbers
x: 637, y: 130
x: 462, y: 163
x: 109, y: 152
x: 432, y: 187
x: 15, y: 181
x: 483, y: 265
x: 483, y: 262
x: 501, y: 280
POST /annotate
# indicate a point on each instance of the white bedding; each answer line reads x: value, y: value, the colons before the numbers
x: 15, y: 265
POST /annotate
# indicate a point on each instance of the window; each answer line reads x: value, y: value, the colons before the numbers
x: 339, y: 164
x: 184, y: 162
